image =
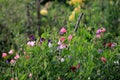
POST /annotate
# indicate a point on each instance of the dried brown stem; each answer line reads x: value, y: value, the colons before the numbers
x: 78, y: 22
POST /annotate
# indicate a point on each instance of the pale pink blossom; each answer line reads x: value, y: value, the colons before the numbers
x: 17, y: 56
x: 12, y: 79
x: 30, y: 75
x: 11, y: 51
x: 59, y: 42
x: 31, y: 43
x: 103, y: 59
x: 62, y: 46
x: 12, y: 61
x: 4, y: 55
x: 24, y: 52
x: 63, y: 30
x: 70, y: 37
x: 98, y: 36
x: 103, y: 30
x: 114, y: 44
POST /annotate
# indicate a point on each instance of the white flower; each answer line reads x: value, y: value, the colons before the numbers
x: 62, y: 59
x: 50, y: 45
x: 88, y: 78
x: 59, y: 42
x: 116, y: 62
x: 11, y: 51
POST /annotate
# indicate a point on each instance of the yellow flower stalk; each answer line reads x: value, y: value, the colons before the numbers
x: 72, y: 16
x: 43, y: 12
x: 76, y: 1
x: 77, y: 9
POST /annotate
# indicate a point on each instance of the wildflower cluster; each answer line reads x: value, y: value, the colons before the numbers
x: 10, y: 57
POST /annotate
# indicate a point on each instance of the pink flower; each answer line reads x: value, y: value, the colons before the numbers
x: 12, y: 79
x: 31, y: 43
x: 4, y: 55
x: 59, y: 42
x: 63, y: 30
x: 78, y: 65
x: 103, y: 60
x: 11, y: 52
x: 114, y: 44
x: 98, y: 31
x: 17, y: 56
x: 62, y: 46
x: 12, y: 61
x: 62, y: 39
x: 30, y: 75
x: 103, y: 30
x: 98, y: 36
x: 70, y: 37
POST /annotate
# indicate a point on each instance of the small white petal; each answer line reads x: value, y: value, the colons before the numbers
x: 62, y: 59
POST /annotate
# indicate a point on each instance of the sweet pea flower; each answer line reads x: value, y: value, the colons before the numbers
x: 62, y: 38
x: 49, y: 44
x: 8, y: 61
x: 59, y: 42
x: 73, y: 68
x: 63, y: 30
x: 103, y: 60
x: 31, y: 43
x: 12, y: 79
x: 11, y: 52
x: 17, y: 56
x: 32, y: 37
x: 70, y: 37
x: 70, y: 57
x: 98, y: 31
x: 100, y: 51
x: 103, y: 30
x: 62, y: 59
x: 62, y: 46
x: 30, y: 75
x: 12, y: 61
x: 98, y: 36
x: 78, y: 65
x: 109, y: 44
x: 4, y: 55
x: 114, y: 44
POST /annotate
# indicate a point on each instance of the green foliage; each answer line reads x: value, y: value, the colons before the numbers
x: 80, y: 60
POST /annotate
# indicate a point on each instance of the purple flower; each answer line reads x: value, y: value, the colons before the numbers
x: 98, y: 31
x: 8, y: 61
x: 100, y: 50
x: 70, y: 57
x: 42, y: 39
x: 32, y: 37
x: 49, y: 40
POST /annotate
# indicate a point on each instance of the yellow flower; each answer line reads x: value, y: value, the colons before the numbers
x: 70, y: 3
x: 76, y: 1
x: 71, y: 17
x: 111, y: 2
x: 77, y: 9
x: 43, y: 12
